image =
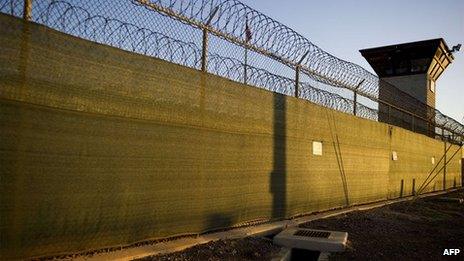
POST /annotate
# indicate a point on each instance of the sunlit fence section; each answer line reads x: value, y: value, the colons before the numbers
x: 230, y: 39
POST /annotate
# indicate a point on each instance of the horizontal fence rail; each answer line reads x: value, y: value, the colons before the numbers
x: 232, y: 40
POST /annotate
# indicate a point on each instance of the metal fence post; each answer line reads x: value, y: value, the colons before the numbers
x: 204, y: 50
x: 297, y: 79
x: 245, y: 77
x: 444, y: 158
x: 27, y: 11
x: 355, y: 96
x: 297, y: 74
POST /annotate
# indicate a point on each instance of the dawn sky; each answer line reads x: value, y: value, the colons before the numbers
x: 342, y: 27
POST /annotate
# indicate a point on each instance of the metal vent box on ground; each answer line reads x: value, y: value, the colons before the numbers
x: 312, y: 239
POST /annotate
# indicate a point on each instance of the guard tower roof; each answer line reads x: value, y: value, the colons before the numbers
x: 428, y: 56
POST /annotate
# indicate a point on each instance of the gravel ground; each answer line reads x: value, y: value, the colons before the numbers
x: 418, y: 230
x: 235, y: 249
x: 403, y: 231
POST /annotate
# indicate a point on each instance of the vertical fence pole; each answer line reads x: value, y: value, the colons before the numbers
x: 248, y: 36
x: 27, y: 11
x: 204, y: 50
x: 297, y: 74
x: 355, y: 97
x: 444, y: 158
x: 297, y: 80
x: 245, y: 77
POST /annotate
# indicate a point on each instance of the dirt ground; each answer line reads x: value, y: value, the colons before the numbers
x: 419, y: 230
x: 235, y: 249
x: 404, y: 231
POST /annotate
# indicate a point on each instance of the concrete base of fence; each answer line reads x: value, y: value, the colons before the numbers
x: 258, y: 230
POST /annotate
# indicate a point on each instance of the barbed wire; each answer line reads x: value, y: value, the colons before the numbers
x: 74, y: 20
x: 269, y: 36
x: 230, y: 21
x: 12, y: 7
x: 233, y: 69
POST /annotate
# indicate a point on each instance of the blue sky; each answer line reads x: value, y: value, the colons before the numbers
x: 342, y: 27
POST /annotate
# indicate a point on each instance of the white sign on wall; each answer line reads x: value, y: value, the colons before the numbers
x: 317, y: 148
x: 394, y: 155
x: 433, y: 160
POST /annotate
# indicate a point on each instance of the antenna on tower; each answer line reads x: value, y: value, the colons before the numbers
x: 456, y: 48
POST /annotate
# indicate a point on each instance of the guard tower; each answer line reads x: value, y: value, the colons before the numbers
x: 413, y: 68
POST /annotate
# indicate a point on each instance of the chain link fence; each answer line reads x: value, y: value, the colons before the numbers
x: 232, y: 40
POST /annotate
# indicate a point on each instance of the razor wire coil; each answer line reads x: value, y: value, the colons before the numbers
x: 230, y: 20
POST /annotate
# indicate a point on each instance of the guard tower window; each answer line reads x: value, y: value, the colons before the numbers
x: 402, y: 67
x: 420, y: 65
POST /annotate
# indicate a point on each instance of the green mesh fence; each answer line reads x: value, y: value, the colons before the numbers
x: 102, y: 147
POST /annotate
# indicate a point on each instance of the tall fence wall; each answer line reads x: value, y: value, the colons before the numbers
x: 101, y: 147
